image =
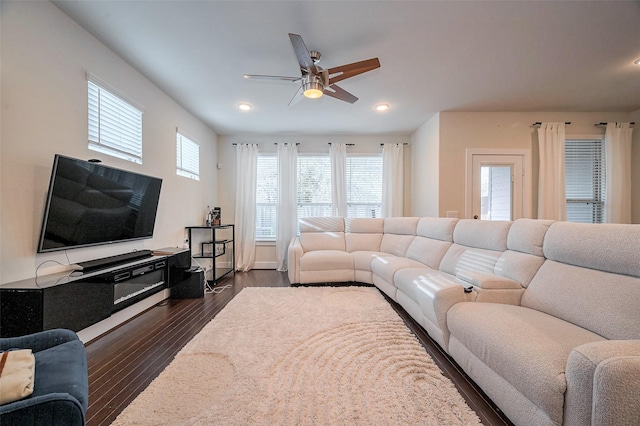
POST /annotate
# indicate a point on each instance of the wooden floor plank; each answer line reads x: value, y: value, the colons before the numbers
x: 124, y: 361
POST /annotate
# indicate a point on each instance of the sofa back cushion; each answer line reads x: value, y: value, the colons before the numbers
x: 591, y: 278
x: 322, y: 233
x: 399, y: 232
x: 482, y: 234
x: 478, y: 244
x: 363, y: 234
x: 434, y: 237
x: 524, y: 254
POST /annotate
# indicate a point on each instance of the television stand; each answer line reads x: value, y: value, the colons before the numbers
x: 103, y: 262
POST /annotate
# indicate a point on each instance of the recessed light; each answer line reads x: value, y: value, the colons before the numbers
x: 637, y: 61
x: 245, y: 106
x: 382, y: 107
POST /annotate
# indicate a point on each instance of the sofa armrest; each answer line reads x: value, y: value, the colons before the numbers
x: 38, y: 341
x: 603, y: 383
x: 294, y: 254
x: 486, y: 281
x: 49, y: 409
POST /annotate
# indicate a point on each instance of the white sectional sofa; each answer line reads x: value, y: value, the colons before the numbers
x: 544, y: 316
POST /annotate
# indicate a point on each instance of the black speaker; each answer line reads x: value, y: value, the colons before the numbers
x: 190, y: 287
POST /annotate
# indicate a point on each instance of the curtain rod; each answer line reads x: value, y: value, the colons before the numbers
x: 275, y: 143
x: 604, y: 124
x: 538, y: 123
x: 347, y: 144
x: 405, y: 144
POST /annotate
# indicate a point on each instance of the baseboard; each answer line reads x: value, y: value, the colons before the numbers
x: 265, y: 265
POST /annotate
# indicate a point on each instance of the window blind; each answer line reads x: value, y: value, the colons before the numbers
x: 187, y: 157
x: 266, y: 197
x: 364, y: 186
x: 584, y: 161
x: 314, y: 185
x: 115, y: 126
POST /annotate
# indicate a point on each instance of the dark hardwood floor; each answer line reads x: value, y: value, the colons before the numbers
x: 124, y: 361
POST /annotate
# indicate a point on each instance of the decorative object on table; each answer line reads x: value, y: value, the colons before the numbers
x: 207, y: 216
x: 215, y: 216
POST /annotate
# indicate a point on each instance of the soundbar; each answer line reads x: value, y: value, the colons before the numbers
x: 103, y: 262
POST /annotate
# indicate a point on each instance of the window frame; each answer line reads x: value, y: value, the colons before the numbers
x: 114, y: 122
x: 184, y: 151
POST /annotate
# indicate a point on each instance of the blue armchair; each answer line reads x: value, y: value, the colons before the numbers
x: 61, y: 389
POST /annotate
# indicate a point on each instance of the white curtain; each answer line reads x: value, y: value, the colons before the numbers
x: 338, y: 156
x: 245, y: 218
x: 617, y: 145
x: 552, y: 203
x: 392, y: 179
x: 287, y: 206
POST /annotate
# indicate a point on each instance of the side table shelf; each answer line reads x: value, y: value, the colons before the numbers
x: 215, y: 243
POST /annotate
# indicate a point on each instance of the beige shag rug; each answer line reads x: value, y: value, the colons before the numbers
x: 302, y: 356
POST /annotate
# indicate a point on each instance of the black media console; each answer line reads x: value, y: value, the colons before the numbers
x: 83, y: 298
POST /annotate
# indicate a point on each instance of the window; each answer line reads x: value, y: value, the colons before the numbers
x: 187, y: 157
x: 364, y: 186
x: 364, y: 189
x: 266, y: 197
x: 585, y: 187
x: 314, y: 185
x: 115, y: 126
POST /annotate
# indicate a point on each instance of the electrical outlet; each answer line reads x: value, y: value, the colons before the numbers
x: 452, y: 213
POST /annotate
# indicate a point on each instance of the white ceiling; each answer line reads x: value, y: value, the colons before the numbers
x: 434, y: 55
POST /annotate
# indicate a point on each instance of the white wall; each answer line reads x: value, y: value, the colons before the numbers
x: 45, y: 58
x: 425, y: 146
x: 462, y: 130
x: 265, y: 253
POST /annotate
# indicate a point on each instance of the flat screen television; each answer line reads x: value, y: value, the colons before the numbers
x: 89, y: 204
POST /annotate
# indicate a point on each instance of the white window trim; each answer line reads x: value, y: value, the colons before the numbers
x: 97, y: 145
x: 181, y: 171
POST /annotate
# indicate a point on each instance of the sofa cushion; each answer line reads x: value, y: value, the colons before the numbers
x: 396, y: 245
x: 438, y: 228
x: 611, y: 247
x: 314, y: 241
x: 321, y: 224
x: 321, y: 260
x: 535, y: 357
x: 364, y: 225
x: 428, y: 251
x: 363, y: 242
x: 401, y: 225
x: 55, y: 373
x: 520, y: 267
x: 386, y: 267
x: 460, y: 257
x: 482, y: 234
x: 527, y: 235
x: 362, y: 259
x: 605, y: 303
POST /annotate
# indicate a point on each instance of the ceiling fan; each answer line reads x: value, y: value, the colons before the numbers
x: 317, y: 81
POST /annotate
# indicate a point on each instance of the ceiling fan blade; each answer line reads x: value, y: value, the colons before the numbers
x: 296, y: 97
x: 339, y: 93
x: 302, y: 53
x: 270, y: 77
x: 353, y: 69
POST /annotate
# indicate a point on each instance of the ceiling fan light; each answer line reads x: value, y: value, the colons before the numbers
x: 312, y: 89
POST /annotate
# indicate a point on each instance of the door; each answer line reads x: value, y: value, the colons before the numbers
x: 496, y: 186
